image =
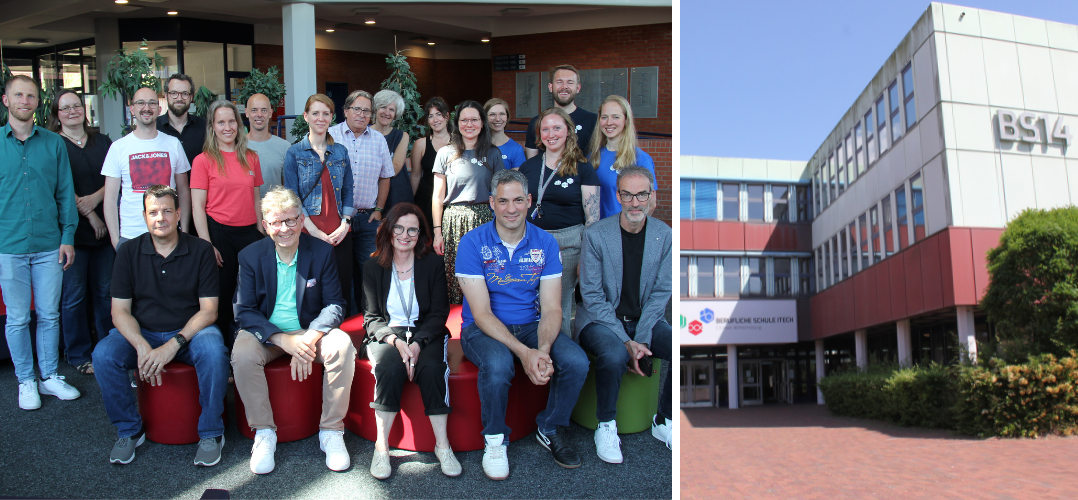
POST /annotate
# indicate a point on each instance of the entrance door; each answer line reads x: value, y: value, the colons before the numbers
x: 749, y: 383
x: 696, y: 383
x: 783, y: 389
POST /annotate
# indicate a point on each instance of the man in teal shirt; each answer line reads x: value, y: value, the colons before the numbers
x: 288, y: 301
x: 38, y: 219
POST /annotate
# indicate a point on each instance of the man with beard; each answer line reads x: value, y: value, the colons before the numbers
x: 38, y: 203
x: 137, y: 161
x: 270, y: 148
x: 188, y: 128
x: 624, y: 304
x: 564, y: 85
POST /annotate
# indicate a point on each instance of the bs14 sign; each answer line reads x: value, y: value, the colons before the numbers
x: 1014, y: 126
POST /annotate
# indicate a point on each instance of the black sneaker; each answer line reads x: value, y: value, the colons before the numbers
x: 564, y: 455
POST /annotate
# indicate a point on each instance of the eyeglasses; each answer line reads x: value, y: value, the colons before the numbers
x: 176, y: 95
x: 359, y: 111
x: 145, y: 104
x: 399, y: 229
x: 287, y: 222
x: 627, y: 197
x: 68, y: 109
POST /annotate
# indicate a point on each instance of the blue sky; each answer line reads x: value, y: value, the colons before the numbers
x: 770, y: 79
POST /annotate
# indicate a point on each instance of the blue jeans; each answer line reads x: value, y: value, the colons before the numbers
x: 362, y: 247
x: 612, y: 358
x: 114, y: 356
x: 91, y: 272
x: 496, y: 369
x: 38, y: 276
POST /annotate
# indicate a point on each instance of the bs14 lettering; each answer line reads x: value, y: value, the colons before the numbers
x: 1023, y: 127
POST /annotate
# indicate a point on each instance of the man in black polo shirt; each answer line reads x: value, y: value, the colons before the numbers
x: 564, y: 85
x: 164, y: 303
x: 188, y: 128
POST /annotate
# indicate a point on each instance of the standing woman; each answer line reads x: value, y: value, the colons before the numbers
x: 614, y: 147
x: 424, y: 152
x: 462, y: 174
x: 388, y: 106
x: 319, y: 172
x: 498, y: 117
x: 92, y: 269
x: 224, y: 200
x: 407, y: 307
x: 565, y: 196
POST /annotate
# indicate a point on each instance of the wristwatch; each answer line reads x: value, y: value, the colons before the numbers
x: 182, y: 341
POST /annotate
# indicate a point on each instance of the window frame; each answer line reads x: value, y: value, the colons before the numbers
x: 907, y: 98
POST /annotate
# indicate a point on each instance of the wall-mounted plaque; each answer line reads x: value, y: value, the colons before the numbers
x: 527, y: 95
x: 512, y: 62
x: 644, y: 92
x: 544, y: 90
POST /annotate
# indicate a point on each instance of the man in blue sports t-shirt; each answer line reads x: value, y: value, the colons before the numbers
x: 509, y: 271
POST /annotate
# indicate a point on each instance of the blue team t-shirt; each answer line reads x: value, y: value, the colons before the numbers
x: 608, y: 180
x: 512, y: 281
x: 512, y: 154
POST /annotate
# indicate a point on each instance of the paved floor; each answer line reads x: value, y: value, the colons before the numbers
x: 801, y: 451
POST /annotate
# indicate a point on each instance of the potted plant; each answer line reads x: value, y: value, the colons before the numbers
x: 129, y: 71
x: 402, y: 81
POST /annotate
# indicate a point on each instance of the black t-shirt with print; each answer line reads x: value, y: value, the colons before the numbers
x: 562, y: 204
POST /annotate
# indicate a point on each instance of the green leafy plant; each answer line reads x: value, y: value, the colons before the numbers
x: 402, y: 81
x: 202, y: 100
x: 920, y: 396
x: 129, y: 71
x: 41, y: 115
x: 268, y: 83
x: 300, y: 128
x: 5, y: 76
x: 1028, y: 399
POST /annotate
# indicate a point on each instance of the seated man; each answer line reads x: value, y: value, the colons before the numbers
x: 506, y: 269
x: 288, y: 301
x: 624, y: 303
x: 164, y: 303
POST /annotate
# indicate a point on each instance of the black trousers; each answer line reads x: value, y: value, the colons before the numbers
x: 229, y: 240
x: 431, y: 374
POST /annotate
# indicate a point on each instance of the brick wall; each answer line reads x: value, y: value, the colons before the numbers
x: 623, y: 47
x: 453, y: 79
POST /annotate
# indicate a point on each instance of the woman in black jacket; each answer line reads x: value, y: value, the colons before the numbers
x: 407, y: 307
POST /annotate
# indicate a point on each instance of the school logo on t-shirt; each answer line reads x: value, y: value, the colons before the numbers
x: 148, y: 169
x: 537, y: 256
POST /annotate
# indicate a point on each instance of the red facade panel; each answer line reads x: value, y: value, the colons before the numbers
x: 896, y: 273
x: 732, y: 236
x: 705, y: 235
x: 883, y: 294
x: 911, y: 263
x: 962, y: 268
x: 686, y: 235
x: 931, y: 279
x: 946, y: 265
x: 758, y: 236
x: 868, y: 298
x: 860, y: 284
x: 982, y: 241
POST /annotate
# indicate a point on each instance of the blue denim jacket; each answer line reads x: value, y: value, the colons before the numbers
x: 302, y: 172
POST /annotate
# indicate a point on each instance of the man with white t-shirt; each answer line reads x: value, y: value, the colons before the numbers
x: 137, y: 161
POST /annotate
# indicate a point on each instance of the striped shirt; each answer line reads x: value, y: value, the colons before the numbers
x: 370, y: 159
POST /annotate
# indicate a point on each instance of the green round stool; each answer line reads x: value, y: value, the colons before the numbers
x: 638, y: 400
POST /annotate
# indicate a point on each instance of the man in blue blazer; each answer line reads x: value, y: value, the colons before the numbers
x: 288, y: 301
x: 625, y: 281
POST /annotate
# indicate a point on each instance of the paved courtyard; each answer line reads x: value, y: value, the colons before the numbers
x: 802, y: 451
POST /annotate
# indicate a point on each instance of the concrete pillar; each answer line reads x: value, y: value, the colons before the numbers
x: 731, y: 375
x: 967, y: 337
x: 110, y: 111
x: 300, y: 68
x: 860, y: 338
x: 819, y: 371
x: 905, y: 342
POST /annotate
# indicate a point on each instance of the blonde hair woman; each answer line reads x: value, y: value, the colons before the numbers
x: 614, y: 147
x: 497, y: 118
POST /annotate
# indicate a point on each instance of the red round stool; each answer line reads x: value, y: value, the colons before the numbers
x: 297, y: 406
x: 412, y: 430
x: 170, y: 411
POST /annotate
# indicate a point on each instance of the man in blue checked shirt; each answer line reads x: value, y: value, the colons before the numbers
x: 37, y: 203
x: 509, y: 271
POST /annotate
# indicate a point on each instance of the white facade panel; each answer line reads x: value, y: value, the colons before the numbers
x: 924, y: 78
x: 1072, y: 178
x: 897, y: 163
x: 711, y: 322
x: 965, y: 56
x: 1003, y: 74
x: 1018, y: 188
x: 930, y: 138
x: 997, y: 25
x: 1065, y: 71
x: 936, y: 216
x: 943, y: 65
x: 1050, y: 182
x: 1030, y: 31
x: 954, y: 187
x: 973, y: 128
x: 731, y: 168
x: 1038, y: 86
x: 964, y: 20
x: 754, y: 169
x: 911, y: 153
x: 976, y: 188
x: 1062, y: 36
x: 947, y: 114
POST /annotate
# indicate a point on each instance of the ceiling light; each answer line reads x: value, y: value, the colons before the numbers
x: 370, y: 20
x: 331, y: 30
x: 173, y: 12
x: 121, y: 2
x: 430, y: 43
x: 485, y: 39
x: 144, y: 48
x: 33, y: 41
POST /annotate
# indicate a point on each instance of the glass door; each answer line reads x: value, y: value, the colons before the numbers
x: 750, y: 387
x: 696, y: 383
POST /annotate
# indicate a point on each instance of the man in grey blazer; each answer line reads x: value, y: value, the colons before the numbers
x: 625, y: 282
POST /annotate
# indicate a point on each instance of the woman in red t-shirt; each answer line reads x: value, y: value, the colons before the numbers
x: 224, y: 200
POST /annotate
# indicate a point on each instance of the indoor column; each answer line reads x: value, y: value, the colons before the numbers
x: 300, y: 68
x: 731, y: 375
x: 967, y: 337
x: 860, y: 338
x: 819, y: 371
x: 905, y: 344
x: 106, y: 43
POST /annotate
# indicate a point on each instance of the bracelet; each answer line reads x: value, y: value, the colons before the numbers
x: 377, y: 209
x: 437, y: 227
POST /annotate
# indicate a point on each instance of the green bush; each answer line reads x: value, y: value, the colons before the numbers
x: 1019, y: 400
x: 914, y: 396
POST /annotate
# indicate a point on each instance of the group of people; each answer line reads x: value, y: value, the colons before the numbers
x: 286, y: 234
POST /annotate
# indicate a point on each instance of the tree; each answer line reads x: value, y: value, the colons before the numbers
x: 402, y: 81
x: 268, y: 83
x: 1032, y: 295
x: 129, y: 71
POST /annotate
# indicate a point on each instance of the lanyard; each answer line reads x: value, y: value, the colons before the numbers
x: 537, y: 212
x: 411, y: 296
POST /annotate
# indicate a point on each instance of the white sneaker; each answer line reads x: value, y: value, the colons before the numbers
x: 29, y: 399
x: 332, y: 442
x: 263, y: 450
x: 495, y: 461
x: 607, y: 442
x: 55, y: 386
x: 663, y: 432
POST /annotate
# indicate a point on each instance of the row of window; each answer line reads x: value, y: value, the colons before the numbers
x: 847, y: 162
x: 734, y: 277
x: 744, y: 201
x: 874, y: 235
